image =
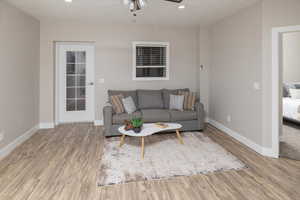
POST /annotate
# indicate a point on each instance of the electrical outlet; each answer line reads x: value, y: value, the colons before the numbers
x: 228, y: 118
x: 1, y: 135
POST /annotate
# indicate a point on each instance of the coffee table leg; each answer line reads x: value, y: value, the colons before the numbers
x: 179, y: 137
x: 143, y: 147
x: 122, y: 140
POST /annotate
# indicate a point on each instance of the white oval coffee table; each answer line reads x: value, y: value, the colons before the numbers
x: 147, y: 130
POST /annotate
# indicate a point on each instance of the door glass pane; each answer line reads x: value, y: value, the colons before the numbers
x: 71, y: 93
x: 71, y: 81
x: 80, y: 93
x: 71, y: 69
x: 70, y: 57
x: 71, y: 105
x: 81, y: 105
x: 76, y: 80
x: 80, y: 69
x: 80, y: 81
x: 80, y: 57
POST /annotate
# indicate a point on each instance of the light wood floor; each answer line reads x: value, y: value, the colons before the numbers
x: 290, y: 140
x: 62, y: 163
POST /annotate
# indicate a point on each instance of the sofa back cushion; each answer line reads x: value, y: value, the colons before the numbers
x: 150, y: 99
x: 166, y: 95
x: 125, y: 93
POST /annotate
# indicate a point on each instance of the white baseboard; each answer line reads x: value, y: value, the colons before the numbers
x: 254, y: 146
x: 269, y: 152
x: 98, y: 122
x: 52, y: 125
x: 46, y: 125
x: 19, y: 140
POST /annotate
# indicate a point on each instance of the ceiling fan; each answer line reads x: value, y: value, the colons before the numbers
x: 135, y: 5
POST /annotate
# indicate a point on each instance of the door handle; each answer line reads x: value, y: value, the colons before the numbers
x: 90, y: 83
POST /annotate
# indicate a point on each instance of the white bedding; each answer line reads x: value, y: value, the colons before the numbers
x: 291, y: 108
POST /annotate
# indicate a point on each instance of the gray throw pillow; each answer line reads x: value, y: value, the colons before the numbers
x: 129, y: 105
x: 176, y: 102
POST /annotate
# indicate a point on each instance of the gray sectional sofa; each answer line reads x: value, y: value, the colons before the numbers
x: 153, y: 106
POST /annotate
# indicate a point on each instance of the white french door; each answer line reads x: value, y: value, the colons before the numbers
x: 75, y: 63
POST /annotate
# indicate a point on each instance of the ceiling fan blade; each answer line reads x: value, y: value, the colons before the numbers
x: 141, y: 3
x: 175, y: 1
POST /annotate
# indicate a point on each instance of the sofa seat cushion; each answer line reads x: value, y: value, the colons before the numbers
x: 155, y: 115
x: 150, y: 99
x: 182, y: 115
x: 119, y: 118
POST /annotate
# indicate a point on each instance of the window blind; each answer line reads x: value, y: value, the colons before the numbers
x: 150, y: 56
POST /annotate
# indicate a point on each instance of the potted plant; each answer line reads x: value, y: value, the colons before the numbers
x: 128, y: 125
x: 137, y: 124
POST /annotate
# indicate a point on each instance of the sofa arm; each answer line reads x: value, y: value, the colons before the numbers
x: 107, y: 117
x: 199, y: 107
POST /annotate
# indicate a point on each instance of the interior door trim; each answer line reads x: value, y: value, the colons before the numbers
x: 56, y: 45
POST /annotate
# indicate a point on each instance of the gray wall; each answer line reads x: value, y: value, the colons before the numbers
x: 114, y: 58
x: 236, y: 57
x: 291, y: 57
x: 241, y: 54
x: 19, y: 77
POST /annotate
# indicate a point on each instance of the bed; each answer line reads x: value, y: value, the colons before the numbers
x: 290, y: 106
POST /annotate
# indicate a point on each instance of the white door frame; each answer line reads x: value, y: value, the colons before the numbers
x: 276, y: 83
x: 56, y: 46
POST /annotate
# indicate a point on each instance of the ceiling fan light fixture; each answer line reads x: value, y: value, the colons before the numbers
x: 135, y: 5
x: 131, y: 5
x: 68, y: 1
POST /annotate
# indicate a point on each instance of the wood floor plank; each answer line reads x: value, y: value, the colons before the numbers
x: 62, y: 164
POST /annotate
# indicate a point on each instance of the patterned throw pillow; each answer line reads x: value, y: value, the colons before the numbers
x: 129, y: 105
x: 176, y: 102
x: 116, y: 102
x: 189, y: 100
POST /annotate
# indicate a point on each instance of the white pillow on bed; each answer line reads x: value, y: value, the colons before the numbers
x: 295, y: 93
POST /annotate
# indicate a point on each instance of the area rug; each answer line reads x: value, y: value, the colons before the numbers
x: 164, y: 158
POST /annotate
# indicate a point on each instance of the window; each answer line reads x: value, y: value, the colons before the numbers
x: 150, y: 61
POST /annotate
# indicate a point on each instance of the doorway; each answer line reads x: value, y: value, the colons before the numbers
x: 278, y: 89
x: 290, y: 136
x: 75, y: 63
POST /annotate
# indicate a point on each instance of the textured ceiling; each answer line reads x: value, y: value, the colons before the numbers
x: 158, y: 12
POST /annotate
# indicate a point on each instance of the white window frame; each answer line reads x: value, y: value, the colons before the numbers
x: 150, y: 44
